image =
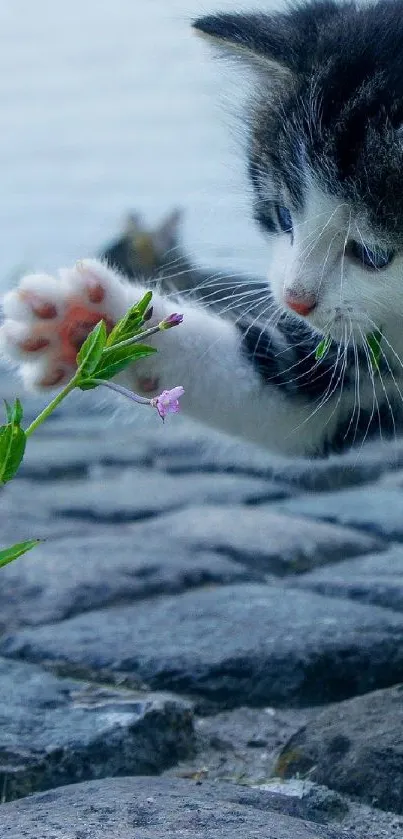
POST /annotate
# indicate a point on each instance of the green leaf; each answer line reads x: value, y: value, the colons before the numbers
x: 323, y: 347
x: 131, y: 323
x: 9, y: 411
x: 6, y: 442
x: 18, y: 412
x: 9, y: 554
x: 91, y: 350
x: 373, y: 340
x: 116, y: 361
x: 144, y: 303
x: 15, y: 413
x: 12, y: 448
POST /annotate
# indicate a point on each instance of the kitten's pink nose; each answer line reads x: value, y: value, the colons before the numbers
x: 301, y: 305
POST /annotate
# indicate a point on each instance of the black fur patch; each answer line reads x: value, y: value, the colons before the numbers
x: 367, y: 424
x: 284, y: 357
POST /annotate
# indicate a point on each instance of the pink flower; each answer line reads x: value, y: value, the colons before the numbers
x: 168, y: 401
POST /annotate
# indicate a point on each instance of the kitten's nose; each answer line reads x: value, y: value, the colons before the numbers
x: 302, y: 305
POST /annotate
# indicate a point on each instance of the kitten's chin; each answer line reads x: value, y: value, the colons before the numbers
x: 344, y: 330
x: 353, y: 335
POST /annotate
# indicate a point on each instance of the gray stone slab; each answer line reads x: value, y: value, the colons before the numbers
x: 72, y: 574
x: 56, y: 731
x: 392, y: 480
x: 259, y: 537
x: 132, y: 494
x: 221, y: 454
x: 303, y: 798
x: 355, y: 747
x: 374, y: 509
x: 235, y: 645
x: 19, y: 525
x: 376, y: 578
x: 241, y: 745
x: 51, y: 457
x: 147, y: 808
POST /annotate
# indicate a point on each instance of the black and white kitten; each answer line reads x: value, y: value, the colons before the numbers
x: 326, y: 163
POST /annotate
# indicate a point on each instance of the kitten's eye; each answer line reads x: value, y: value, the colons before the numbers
x: 264, y: 217
x: 284, y: 219
x: 374, y: 259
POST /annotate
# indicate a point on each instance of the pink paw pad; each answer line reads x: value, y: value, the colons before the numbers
x: 41, y: 308
x: 47, y: 319
x: 77, y: 323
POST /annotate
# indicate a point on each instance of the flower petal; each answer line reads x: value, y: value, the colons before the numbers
x: 168, y: 401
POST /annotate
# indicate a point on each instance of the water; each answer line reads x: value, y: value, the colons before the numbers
x: 110, y: 105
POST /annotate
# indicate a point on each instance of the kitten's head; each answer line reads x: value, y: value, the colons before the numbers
x: 326, y: 155
x: 139, y: 251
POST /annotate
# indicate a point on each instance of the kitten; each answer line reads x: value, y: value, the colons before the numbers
x: 139, y: 251
x: 325, y: 158
x: 160, y: 259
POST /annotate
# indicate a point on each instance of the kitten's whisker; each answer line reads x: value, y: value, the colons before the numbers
x: 318, y: 363
x: 374, y: 396
x: 163, y: 277
x: 346, y: 238
x: 385, y: 340
x: 390, y: 370
x: 236, y: 297
x: 357, y: 396
x: 200, y: 358
x: 325, y: 261
x: 388, y: 402
x: 340, y: 382
x: 340, y: 379
x: 252, y: 305
x: 328, y: 393
x: 318, y: 234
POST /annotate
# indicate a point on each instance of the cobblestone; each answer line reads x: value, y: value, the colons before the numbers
x: 260, y: 600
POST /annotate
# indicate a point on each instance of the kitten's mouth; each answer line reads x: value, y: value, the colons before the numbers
x: 342, y: 327
x: 342, y: 324
x: 352, y: 332
x: 346, y: 333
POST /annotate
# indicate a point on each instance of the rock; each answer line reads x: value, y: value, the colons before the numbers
x: 67, y: 455
x: 376, y: 578
x: 355, y: 747
x: 392, y: 480
x: 241, y: 745
x: 259, y: 537
x: 56, y: 731
x: 132, y: 494
x: 146, y: 808
x: 306, y: 800
x: 235, y: 645
x: 222, y: 454
x: 72, y: 574
x: 375, y: 509
x: 16, y: 526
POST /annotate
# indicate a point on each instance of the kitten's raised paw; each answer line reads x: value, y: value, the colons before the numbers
x: 46, y: 319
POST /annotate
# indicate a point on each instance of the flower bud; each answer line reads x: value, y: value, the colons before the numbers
x: 172, y: 320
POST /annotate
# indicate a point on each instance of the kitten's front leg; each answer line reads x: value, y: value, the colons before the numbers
x: 47, y: 319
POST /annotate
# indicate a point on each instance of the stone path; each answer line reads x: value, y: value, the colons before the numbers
x: 223, y: 627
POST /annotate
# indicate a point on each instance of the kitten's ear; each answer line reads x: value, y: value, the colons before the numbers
x: 257, y: 39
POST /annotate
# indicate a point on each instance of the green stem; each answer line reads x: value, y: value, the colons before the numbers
x: 52, y: 405
x: 134, y: 340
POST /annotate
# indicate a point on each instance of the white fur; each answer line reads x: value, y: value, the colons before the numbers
x: 203, y: 354
x: 316, y: 263
x: 222, y: 388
